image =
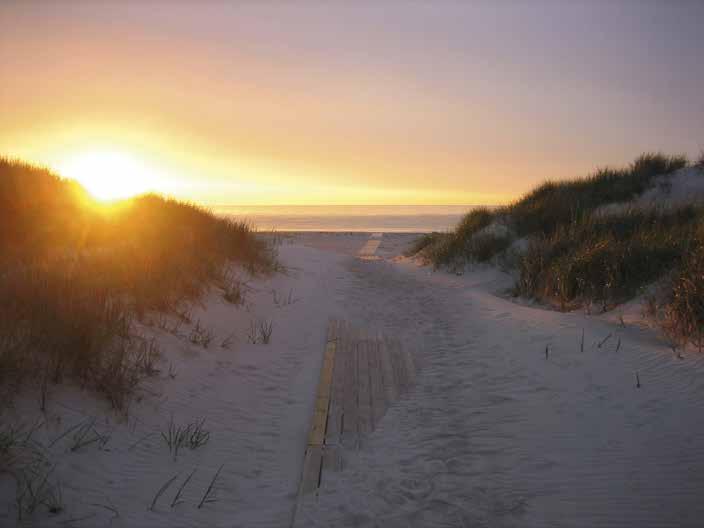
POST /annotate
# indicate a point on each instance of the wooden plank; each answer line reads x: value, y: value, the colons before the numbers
x: 410, y: 364
x: 350, y: 412
x: 378, y: 397
x: 333, y: 329
x: 313, y: 457
x: 316, y: 436
x: 398, y: 365
x: 335, y: 410
x: 334, y: 423
x: 317, y: 429
x: 312, y: 468
x: 387, y: 371
x: 364, y: 416
x: 369, y: 248
x: 332, y: 459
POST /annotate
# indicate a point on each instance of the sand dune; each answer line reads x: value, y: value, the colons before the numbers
x: 493, y: 433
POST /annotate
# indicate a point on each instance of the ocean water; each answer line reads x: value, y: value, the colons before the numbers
x: 361, y: 218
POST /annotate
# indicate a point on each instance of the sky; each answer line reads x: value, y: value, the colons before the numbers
x: 311, y: 102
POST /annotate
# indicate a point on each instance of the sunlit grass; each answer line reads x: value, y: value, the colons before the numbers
x: 75, y: 274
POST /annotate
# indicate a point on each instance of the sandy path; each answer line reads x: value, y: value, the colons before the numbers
x: 495, y: 434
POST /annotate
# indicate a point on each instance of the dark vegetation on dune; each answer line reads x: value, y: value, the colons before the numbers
x: 573, y: 255
x: 75, y: 276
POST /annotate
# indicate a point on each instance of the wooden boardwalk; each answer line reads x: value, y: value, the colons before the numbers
x: 367, y: 251
x: 361, y: 376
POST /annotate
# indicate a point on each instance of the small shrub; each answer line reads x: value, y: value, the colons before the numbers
x: 26, y: 462
x: 281, y: 301
x: 260, y: 332
x: 234, y: 290
x: 192, y: 435
x: 147, y: 356
x: 200, y: 335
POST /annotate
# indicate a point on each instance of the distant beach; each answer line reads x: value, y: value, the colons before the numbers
x: 358, y: 218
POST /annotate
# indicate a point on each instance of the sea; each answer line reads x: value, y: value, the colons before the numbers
x: 348, y: 218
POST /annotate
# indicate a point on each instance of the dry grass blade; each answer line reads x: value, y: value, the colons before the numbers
x: 227, y: 342
x: 177, y: 497
x: 142, y: 439
x: 601, y: 343
x: 161, y: 491
x: 111, y: 509
x: 197, y: 435
x: 207, y: 495
x: 68, y: 431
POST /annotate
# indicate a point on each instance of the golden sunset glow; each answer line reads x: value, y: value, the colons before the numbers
x: 109, y: 175
x: 247, y: 103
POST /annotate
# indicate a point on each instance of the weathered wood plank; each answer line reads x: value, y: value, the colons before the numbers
x: 332, y: 459
x: 317, y: 429
x: 364, y: 416
x: 334, y: 423
x: 336, y: 410
x: 360, y: 376
x: 313, y: 457
x: 369, y: 248
x: 333, y: 329
x: 387, y: 371
x: 378, y: 397
x: 398, y: 365
x: 350, y: 413
x: 409, y: 363
x: 312, y: 468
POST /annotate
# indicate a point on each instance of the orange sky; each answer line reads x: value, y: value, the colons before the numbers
x: 277, y: 104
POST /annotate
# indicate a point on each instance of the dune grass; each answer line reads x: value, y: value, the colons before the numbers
x: 465, y: 244
x: 700, y: 161
x: 576, y: 255
x: 553, y: 205
x: 682, y: 312
x: 606, y: 259
x: 74, y: 277
x: 550, y: 207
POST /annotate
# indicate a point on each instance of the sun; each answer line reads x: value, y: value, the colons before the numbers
x: 108, y: 175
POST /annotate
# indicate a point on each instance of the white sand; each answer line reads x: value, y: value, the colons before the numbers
x: 676, y: 189
x: 492, y: 434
